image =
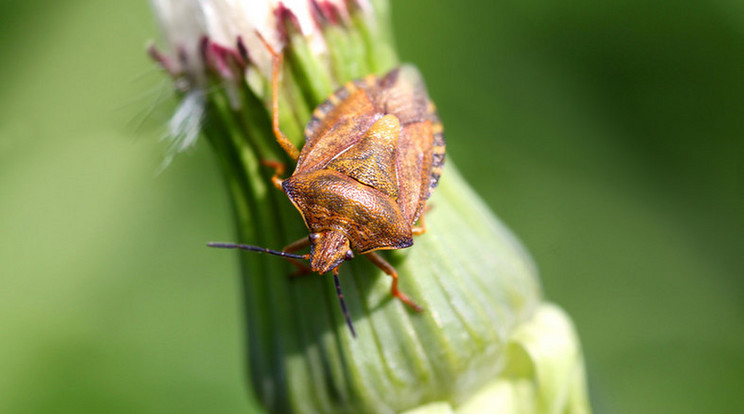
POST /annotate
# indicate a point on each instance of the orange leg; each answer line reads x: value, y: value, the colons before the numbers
x: 276, y: 67
x: 297, y: 245
x: 421, y: 228
x: 388, y: 268
x: 302, y: 268
x: 279, y: 170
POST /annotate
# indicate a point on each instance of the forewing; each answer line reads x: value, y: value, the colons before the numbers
x: 414, y: 167
x: 337, y: 124
x: 342, y: 120
x: 421, y: 148
x: 402, y: 92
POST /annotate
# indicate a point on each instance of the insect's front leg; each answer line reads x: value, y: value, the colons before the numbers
x: 302, y: 268
x: 390, y: 270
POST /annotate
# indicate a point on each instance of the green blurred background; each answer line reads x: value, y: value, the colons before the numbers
x: 608, y: 135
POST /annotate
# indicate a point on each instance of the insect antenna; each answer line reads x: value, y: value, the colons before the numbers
x: 341, y: 301
x: 223, y: 245
x: 344, y: 309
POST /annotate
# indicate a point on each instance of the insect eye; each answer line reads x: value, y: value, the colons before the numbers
x: 349, y: 255
x: 313, y: 236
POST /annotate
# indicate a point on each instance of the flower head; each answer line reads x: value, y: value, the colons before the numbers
x: 485, y: 338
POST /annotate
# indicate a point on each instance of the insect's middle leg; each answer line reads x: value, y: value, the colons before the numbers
x: 421, y: 228
x: 279, y: 169
x: 390, y: 270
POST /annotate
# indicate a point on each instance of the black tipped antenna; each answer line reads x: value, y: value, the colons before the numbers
x: 223, y: 245
x: 343, y: 304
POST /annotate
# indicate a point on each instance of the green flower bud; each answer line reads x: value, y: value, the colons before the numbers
x: 486, y: 341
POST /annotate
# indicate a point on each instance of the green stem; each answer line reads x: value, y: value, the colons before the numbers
x: 483, y: 319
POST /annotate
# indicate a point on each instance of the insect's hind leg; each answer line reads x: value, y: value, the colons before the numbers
x: 276, y: 67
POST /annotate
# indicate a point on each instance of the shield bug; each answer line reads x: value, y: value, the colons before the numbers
x: 373, y: 153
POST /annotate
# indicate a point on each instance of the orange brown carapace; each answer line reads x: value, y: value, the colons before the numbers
x: 373, y: 153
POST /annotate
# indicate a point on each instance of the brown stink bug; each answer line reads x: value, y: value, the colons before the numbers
x: 373, y: 153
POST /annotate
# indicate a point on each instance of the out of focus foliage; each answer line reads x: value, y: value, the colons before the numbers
x: 608, y: 135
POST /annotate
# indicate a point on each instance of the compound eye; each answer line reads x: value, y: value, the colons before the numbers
x: 313, y: 237
x: 349, y: 255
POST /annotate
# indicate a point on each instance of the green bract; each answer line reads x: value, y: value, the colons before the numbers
x: 486, y: 341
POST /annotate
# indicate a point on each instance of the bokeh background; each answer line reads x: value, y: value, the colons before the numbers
x: 608, y: 135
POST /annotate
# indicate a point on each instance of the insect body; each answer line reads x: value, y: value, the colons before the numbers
x: 373, y: 153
